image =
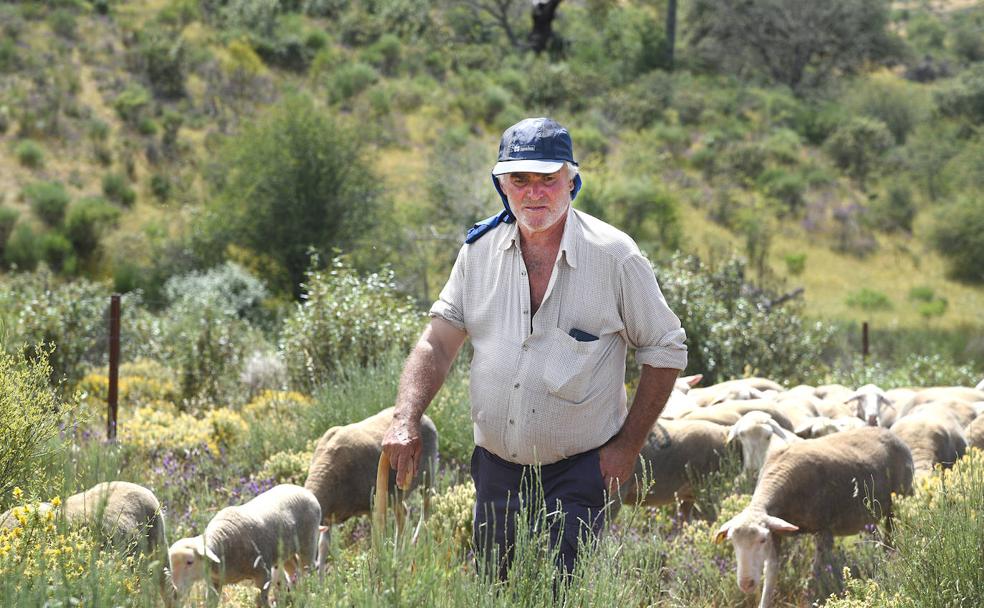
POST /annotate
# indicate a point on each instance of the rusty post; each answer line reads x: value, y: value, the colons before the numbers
x: 864, y: 340
x: 114, y: 365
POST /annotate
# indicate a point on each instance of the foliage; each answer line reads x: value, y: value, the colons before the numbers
x: 286, y: 467
x: 162, y: 57
x: 56, y: 251
x: 858, y: 145
x: 30, y: 416
x: 87, y: 221
x: 21, y: 249
x: 29, y: 154
x: 958, y: 234
x: 965, y: 96
x: 797, y: 43
x: 294, y: 181
x: 648, y: 213
x: 116, y: 188
x: 869, y: 300
x: 896, y: 103
x: 344, y: 320
x: 68, y: 316
x: 8, y: 219
x: 48, y: 200
x: 132, y: 103
x: 733, y: 327
x: 795, y: 263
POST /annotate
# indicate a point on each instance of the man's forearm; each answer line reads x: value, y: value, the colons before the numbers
x: 655, y: 387
x: 423, y: 375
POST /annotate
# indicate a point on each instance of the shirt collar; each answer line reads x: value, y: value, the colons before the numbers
x: 568, y: 242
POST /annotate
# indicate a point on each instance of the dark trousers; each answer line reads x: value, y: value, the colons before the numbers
x: 567, y: 496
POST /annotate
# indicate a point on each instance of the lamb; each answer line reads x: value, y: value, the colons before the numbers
x: 128, y: 516
x: 728, y: 412
x: 342, y: 475
x: 280, y: 527
x: 833, y: 485
x: 759, y: 435
x: 871, y: 400
x: 741, y: 388
x: 673, y: 449
x: 931, y: 439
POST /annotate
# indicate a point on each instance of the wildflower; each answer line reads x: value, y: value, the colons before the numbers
x: 18, y: 493
x: 56, y: 501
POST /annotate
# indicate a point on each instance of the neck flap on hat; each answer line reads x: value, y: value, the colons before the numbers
x: 505, y: 216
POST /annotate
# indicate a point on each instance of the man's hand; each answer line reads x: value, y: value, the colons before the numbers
x: 403, y: 446
x: 617, y: 464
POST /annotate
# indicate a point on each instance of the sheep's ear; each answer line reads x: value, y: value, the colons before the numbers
x: 805, y: 428
x: 777, y: 524
x: 777, y: 428
x: 853, y: 397
x: 732, y: 433
x: 696, y: 378
x: 724, y: 532
x: 202, y: 550
x: 885, y: 400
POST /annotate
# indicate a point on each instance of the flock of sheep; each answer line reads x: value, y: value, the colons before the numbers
x: 828, y: 460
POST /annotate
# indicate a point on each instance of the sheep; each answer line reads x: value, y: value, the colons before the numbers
x: 128, y: 516
x: 833, y: 485
x: 833, y: 392
x: 974, y: 433
x: 980, y: 386
x: 342, y: 474
x: 759, y: 435
x: 931, y: 439
x: 871, y: 400
x: 728, y: 412
x: 945, y: 393
x: 280, y: 527
x: 961, y: 411
x: 797, y: 407
x: 742, y: 388
x: 680, y: 402
x: 819, y: 426
x: 675, y: 450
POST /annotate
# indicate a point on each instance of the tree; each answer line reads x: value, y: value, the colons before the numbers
x: 959, y: 235
x: 543, y: 14
x: 793, y: 42
x: 294, y: 182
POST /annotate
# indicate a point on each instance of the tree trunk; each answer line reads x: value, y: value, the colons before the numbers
x: 671, y: 13
x: 543, y: 15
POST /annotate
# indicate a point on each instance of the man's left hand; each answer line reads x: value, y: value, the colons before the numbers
x: 617, y: 464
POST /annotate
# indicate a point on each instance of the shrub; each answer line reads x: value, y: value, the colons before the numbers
x: 29, y: 154
x: 965, y: 97
x: 922, y: 294
x: 286, y: 467
x: 160, y: 187
x: 649, y: 213
x: 62, y: 22
x: 869, y: 300
x: 131, y: 104
x: 294, y: 181
x: 87, y: 221
x: 795, y: 263
x: 933, y: 308
x: 345, y: 320
x: 48, y: 200
x: 968, y: 40
x: 733, y: 326
x: 22, y: 248
x: 116, y: 188
x: 56, y: 250
x: 958, y: 234
x: 787, y: 187
x: 30, y: 415
x: 350, y: 80
x: 162, y: 57
x: 896, y: 103
x: 8, y: 219
x: 858, y: 145
x: 642, y: 102
x: 897, y: 210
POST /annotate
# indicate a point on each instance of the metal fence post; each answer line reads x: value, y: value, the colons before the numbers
x: 864, y: 340
x: 114, y: 365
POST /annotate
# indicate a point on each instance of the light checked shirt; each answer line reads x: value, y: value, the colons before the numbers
x: 538, y: 395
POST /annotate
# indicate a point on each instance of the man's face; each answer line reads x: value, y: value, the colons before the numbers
x: 538, y: 200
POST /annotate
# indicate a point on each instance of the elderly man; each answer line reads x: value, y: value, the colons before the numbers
x: 551, y: 299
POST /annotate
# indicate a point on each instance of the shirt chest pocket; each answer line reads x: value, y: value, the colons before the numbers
x: 570, y: 366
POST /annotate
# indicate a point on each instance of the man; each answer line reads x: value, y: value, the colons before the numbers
x: 551, y: 298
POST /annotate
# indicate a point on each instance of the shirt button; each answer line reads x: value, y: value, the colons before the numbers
x: 516, y: 385
x: 526, y: 311
x: 522, y: 273
x: 514, y: 454
x: 511, y: 421
x: 526, y: 347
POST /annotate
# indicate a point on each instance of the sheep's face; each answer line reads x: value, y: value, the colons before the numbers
x: 752, y: 538
x: 188, y: 558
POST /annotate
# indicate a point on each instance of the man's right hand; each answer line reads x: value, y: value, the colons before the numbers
x: 403, y: 446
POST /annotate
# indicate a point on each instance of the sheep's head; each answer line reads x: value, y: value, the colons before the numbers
x: 870, y: 400
x: 754, y: 430
x: 752, y: 535
x: 188, y: 559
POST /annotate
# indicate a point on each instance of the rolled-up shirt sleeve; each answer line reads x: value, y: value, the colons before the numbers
x: 450, y: 303
x: 650, y: 326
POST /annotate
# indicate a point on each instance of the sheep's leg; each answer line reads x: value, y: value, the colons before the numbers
x: 771, y: 571
x: 324, y: 546
x: 265, y: 582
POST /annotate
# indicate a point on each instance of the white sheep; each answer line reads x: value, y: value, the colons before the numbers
x: 945, y: 393
x: 342, y: 474
x: 674, y: 452
x: 833, y: 392
x: 728, y: 412
x: 834, y: 485
x: 933, y: 439
x: 128, y: 516
x: 980, y: 386
x: 819, y: 426
x: 278, y: 528
x: 741, y: 388
x: 974, y: 433
x: 870, y: 401
x: 680, y: 402
x: 962, y: 412
x: 759, y: 435
x: 797, y: 406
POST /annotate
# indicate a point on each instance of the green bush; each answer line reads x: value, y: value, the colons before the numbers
x: 69, y: 316
x: 646, y: 210
x: 642, y: 102
x: 163, y: 58
x: 56, y: 250
x: 933, y: 308
x: 8, y: 219
x: 350, y: 80
x: 385, y: 54
x: 116, y: 188
x: 48, y: 200
x: 87, y: 221
x: 898, y: 104
x: 21, y: 250
x: 858, y: 146
x: 869, y: 300
x: 29, y: 154
x: 968, y: 40
x: 345, y: 320
x: 30, y: 418
x: 787, y: 187
x: 160, y: 187
x: 294, y: 180
x: 132, y: 103
x: 795, y: 263
x: 733, y: 327
x: 896, y: 211
x: 62, y: 22
x: 964, y: 97
x: 958, y: 234
x: 922, y: 294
